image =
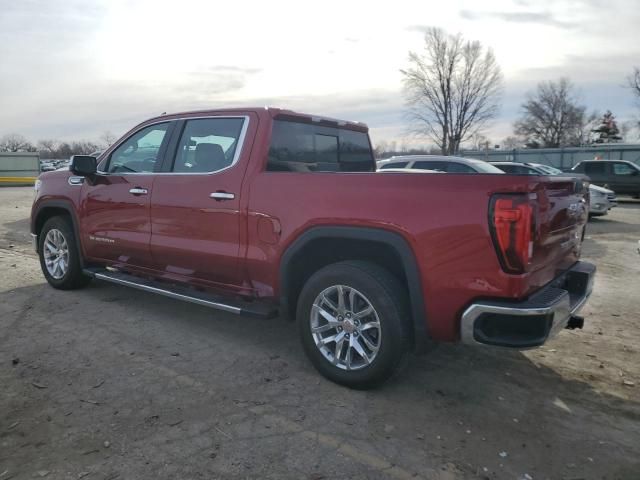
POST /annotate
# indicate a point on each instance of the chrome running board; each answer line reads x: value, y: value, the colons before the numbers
x: 178, y: 292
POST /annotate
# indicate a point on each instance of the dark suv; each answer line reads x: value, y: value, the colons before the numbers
x: 618, y: 175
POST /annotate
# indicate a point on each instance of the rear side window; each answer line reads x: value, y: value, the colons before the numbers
x: 594, y: 167
x: 301, y: 147
x: 207, y: 145
x: 394, y: 165
x: 431, y: 165
x: 454, y: 167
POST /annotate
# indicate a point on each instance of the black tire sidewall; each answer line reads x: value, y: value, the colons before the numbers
x: 382, y: 290
x: 73, y: 278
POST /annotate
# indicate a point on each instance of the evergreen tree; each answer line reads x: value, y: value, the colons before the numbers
x: 607, y: 131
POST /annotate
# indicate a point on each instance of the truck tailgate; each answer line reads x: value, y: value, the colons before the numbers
x: 562, y: 213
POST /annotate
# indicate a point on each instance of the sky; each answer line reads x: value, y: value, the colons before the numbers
x: 72, y: 69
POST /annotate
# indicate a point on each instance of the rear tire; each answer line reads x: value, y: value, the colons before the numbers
x: 368, y: 329
x: 60, y: 255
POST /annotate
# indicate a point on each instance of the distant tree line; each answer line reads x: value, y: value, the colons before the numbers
x: 452, y: 90
x: 55, y: 149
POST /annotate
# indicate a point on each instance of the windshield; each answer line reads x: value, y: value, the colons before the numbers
x: 483, y: 167
x: 550, y: 170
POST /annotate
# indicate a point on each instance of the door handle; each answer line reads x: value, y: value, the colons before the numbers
x: 139, y: 191
x: 222, y: 195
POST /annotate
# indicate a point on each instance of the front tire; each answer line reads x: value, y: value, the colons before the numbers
x: 354, y: 323
x: 60, y: 255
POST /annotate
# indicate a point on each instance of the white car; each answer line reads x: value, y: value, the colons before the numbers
x: 601, y: 200
x: 438, y: 163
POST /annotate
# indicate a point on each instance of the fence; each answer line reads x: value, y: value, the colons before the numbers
x: 562, y: 158
x: 19, y: 168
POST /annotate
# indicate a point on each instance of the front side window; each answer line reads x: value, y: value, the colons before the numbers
x: 207, y: 145
x: 139, y: 153
x: 623, y: 169
x: 302, y: 147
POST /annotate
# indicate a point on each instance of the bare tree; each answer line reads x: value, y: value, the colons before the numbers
x: 108, y: 138
x: 552, y: 117
x: 479, y: 141
x: 510, y: 143
x: 634, y: 81
x: 452, y: 89
x: 48, y: 148
x: 15, y: 142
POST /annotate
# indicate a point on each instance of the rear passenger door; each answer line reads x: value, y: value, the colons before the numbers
x: 196, y: 212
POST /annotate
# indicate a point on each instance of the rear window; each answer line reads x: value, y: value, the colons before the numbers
x: 301, y: 147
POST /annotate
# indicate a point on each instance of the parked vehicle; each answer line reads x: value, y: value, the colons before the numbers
x: 601, y: 200
x: 621, y: 176
x: 264, y: 211
x: 438, y: 163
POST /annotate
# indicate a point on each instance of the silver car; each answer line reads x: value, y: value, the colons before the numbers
x: 438, y: 163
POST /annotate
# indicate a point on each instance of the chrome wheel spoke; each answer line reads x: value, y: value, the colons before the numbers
x: 369, y: 326
x: 368, y: 343
x: 352, y: 299
x: 326, y: 315
x: 338, y: 351
x: 326, y: 327
x: 368, y: 310
x: 360, y: 350
x: 348, y: 359
x: 340, y: 298
x: 332, y: 305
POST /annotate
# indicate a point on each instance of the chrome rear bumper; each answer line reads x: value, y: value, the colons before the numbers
x: 532, y: 322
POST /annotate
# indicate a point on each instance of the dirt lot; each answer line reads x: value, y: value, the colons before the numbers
x: 112, y: 383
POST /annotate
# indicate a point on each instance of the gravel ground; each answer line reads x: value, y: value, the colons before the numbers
x: 112, y: 383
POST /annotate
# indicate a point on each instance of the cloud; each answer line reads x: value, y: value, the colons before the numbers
x: 543, y: 18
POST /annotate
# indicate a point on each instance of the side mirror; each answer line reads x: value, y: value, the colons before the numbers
x: 83, y: 165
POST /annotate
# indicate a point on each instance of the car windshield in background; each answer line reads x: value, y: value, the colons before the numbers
x: 549, y: 170
x: 482, y: 166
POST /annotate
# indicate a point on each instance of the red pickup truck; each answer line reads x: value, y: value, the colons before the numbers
x: 262, y: 211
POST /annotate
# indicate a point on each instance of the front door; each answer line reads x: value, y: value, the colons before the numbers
x: 624, y: 178
x: 116, y: 219
x: 195, y: 205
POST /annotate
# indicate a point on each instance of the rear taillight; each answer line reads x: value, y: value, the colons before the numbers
x: 512, y: 224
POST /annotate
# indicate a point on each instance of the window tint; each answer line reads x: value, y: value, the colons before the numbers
x: 623, y: 169
x: 594, y: 167
x: 430, y: 165
x: 455, y: 167
x: 301, y: 147
x: 139, y: 152
x: 207, y: 145
x: 394, y: 165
